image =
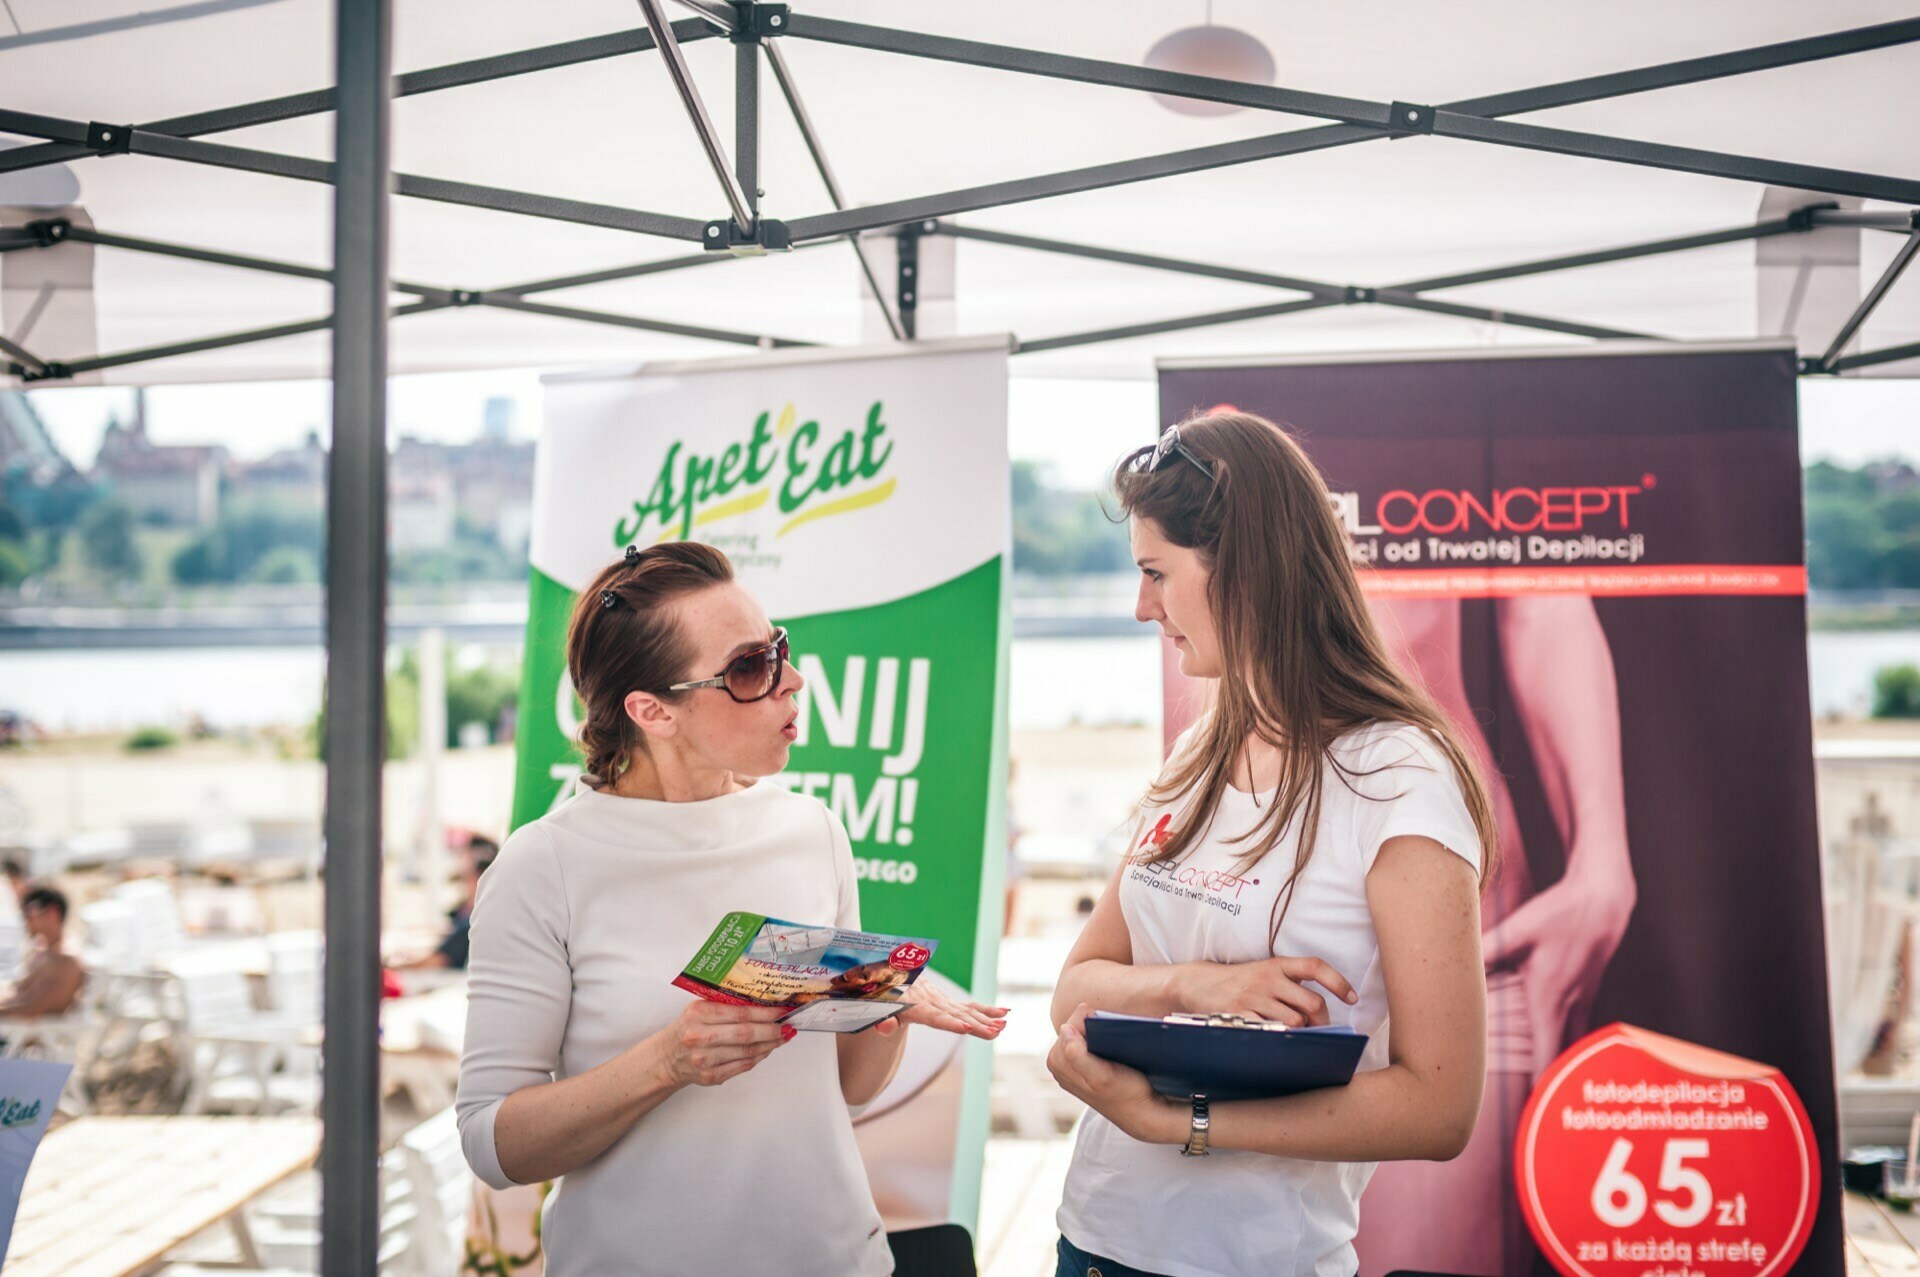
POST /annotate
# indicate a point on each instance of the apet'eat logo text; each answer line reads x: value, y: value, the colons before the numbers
x: 795, y: 463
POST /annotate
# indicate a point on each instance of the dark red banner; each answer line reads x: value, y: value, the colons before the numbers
x: 1594, y: 561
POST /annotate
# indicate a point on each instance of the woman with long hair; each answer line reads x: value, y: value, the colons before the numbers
x: 1320, y: 826
x: 687, y: 1136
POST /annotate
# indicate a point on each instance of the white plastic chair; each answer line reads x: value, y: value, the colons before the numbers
x: 156, y: 916
x: 73, y: 1037
x: 426, y: 1174
x: 280, y: 839
x: 113, y: 940
x: 93, y: 848
x: 161, y: 839
x: 442, y: 1194
x: 221, y: 912
x: 13, y: 934
x: 294, y: 975
x: 233, y: 1052
x: 289, y: 1245
x: 135, y: 1007
x: 295, y: 1246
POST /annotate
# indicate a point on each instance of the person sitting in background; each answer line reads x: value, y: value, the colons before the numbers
x: 50, y: 979
x: 451, y: 952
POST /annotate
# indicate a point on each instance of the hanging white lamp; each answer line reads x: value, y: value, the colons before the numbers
x: 1223, y: 53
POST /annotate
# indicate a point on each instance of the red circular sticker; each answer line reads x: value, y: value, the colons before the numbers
x: 909, y: 957
x: 1645, y: 1156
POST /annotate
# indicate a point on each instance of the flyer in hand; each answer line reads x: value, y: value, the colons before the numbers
x: 837, y: 981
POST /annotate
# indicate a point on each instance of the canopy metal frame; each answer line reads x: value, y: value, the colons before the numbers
x: 363, y: 304
x: 752, y: 28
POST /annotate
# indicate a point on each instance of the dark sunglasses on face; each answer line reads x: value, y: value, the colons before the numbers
x: 750, y: 676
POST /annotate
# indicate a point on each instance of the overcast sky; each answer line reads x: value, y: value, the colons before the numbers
x: 1076, y: 428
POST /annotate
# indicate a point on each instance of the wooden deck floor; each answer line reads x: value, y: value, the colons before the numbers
x: 1881, y: 1241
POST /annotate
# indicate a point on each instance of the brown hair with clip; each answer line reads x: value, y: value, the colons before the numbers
x: 625, y: 636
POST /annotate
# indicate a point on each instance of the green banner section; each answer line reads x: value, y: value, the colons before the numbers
x: 902, y: 706
x: 904, y: 740
x: 546, y: 736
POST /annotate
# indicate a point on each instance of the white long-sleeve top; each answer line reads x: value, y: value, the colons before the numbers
x: 580, y: 926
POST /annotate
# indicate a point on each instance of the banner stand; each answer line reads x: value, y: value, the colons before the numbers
x: 1593, y: 559
x: 863, y: 497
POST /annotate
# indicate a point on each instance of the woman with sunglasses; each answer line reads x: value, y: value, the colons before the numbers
x: 1320, y: 825
x: 687, y: 1136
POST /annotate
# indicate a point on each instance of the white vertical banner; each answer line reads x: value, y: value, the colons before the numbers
x: 863, y: 498
x: 29, y: 1094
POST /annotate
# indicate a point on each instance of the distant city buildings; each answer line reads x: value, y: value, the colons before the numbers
x: 420, y: 509
x: 456, y: 511
x: 435, y: 489
x: 291, y: 477
x: 170, y: 486
x: 496, y: 419
x: 485, y: 486
x: 1892, y: 477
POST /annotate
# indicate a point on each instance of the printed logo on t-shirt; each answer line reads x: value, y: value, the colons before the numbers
x: 1159, y: 834
x: 1215, y: 888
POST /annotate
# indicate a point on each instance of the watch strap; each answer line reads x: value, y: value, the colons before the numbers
x: 1196, y: 1145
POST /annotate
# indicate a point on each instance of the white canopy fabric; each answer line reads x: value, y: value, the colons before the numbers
x: 614, y: 132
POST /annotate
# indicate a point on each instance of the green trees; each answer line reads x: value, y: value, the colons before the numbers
x: 1058, y: 532
x: 255, y: 541
x: 480, y: 694
x: 16, y: 557
x: 1896, y: 692
x: 1863, y: 527
x: 107, y: 540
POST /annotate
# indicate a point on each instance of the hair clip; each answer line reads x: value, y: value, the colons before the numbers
x: 608, y: 599
x: 633, y: 555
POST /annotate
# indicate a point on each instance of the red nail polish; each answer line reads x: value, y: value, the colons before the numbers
x: 788, y: 1033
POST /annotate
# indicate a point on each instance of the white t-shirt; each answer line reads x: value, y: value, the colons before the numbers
x: 1239, y: 1213
x: 580, y: 926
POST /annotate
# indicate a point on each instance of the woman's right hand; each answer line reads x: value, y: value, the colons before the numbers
x: 710, y: 1042
x: 1273, y: 989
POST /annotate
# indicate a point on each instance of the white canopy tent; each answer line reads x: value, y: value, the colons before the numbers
x: 1755, y: 153
x: 611, y: 131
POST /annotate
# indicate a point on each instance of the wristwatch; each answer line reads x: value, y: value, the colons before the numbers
x: 1196, y: 1145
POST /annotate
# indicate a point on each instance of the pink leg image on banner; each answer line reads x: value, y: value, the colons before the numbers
x: 1546, y: 947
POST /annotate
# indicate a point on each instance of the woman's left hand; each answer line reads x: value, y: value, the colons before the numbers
x: 927, y: 1006
x: 1561, y: 941
x: 1116, y: 1092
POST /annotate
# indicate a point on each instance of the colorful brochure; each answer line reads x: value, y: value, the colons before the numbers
x: 836, y: 981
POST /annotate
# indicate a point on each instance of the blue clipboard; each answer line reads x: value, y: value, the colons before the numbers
x: 1226, y: 1057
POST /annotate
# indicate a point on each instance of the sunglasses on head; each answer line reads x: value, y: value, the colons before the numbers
x: 750, y: 676
x: 1150, y: 460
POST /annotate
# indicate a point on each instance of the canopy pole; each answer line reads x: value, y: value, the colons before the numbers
x: 356, y: 645
x: 746, y: 121
x: 697, y: 112
x: 1871, y: 358
x: 1895, y: 268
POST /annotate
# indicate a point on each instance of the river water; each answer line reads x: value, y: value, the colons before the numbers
x: 1056, y: 682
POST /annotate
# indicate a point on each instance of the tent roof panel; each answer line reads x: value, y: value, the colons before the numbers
x: 612, y: 132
